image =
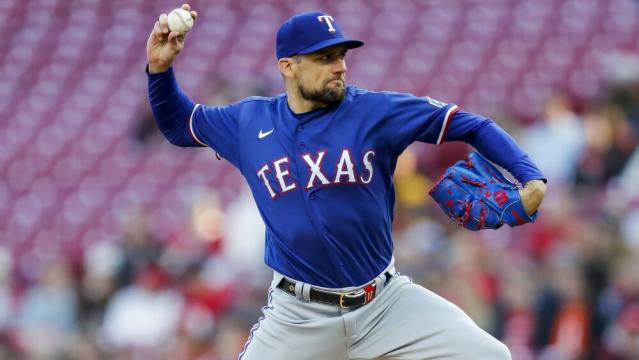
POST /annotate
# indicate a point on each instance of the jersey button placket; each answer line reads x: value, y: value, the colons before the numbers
x: 298, y: 129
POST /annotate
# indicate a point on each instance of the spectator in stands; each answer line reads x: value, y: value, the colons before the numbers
x: 99, y: 281
x: 557, y: 141
x: 610, y: 142
x: 143, y: 316
x: 622, y: 337
x: 47, y: 315
x: 618, y: 305
x: 244, y: 239
x: 6, y: 292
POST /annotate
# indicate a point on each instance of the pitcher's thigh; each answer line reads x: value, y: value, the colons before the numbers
x: 288, y: 331
x: 415, y: 323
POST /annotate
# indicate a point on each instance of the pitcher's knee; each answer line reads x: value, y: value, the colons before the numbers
x: 483, y: 347
x: 487, y: 350
x: 495, y: 350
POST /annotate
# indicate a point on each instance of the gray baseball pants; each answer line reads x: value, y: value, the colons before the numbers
x: 403, y: 321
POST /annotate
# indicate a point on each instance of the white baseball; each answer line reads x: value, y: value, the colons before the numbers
x: 180, y: 20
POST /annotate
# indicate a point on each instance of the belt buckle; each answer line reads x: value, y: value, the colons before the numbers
x: 368, y: 291
x: 351, y: 295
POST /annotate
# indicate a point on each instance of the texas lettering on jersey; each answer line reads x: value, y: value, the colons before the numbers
x: 341, y: 158
x: 278, y: 172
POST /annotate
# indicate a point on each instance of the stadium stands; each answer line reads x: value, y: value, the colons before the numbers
x: 73, y: 92
x: 73, y: 88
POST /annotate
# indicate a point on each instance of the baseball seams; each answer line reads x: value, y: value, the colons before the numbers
x: 183, y: 20
x: 180, y: 20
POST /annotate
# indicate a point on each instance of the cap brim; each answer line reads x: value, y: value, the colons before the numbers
x: 349, y: 43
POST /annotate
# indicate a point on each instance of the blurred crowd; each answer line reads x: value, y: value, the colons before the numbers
x: 144, y: 297
x: 566, y: 287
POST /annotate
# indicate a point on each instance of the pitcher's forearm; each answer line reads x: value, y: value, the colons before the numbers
x: 171, y: 108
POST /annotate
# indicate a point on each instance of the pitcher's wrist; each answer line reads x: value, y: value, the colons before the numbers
x: 154, y: 68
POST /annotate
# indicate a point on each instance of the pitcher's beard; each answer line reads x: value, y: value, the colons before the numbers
x: 327, y: 95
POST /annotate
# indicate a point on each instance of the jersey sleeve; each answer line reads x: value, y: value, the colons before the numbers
x: 495, y: 144
x: 217, y: 127
x: 410, y: 118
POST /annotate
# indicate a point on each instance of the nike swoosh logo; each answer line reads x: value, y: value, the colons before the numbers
x: 262, y: 135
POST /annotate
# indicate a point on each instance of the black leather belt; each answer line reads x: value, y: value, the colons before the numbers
x: 353, y: 299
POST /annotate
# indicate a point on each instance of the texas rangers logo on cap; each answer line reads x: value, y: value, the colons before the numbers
x: 308, y: 32
x: 329, y: 20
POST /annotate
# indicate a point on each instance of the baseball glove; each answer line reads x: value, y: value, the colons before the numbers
x: 477, y: 196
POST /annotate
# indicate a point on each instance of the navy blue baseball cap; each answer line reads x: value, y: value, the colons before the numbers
x: 308, y: 32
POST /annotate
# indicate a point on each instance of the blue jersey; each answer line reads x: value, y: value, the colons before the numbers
x: 322, y: 180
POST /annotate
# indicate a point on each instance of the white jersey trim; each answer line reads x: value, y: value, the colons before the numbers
x: 191, y: 127
x: 453, y: 109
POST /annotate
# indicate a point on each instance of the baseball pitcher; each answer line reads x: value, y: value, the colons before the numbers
x: 319, y: 160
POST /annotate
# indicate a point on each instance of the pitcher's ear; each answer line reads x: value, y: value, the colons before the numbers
x: 287, y: 66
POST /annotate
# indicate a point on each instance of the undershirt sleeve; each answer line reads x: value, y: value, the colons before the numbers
x: 493, y: 143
